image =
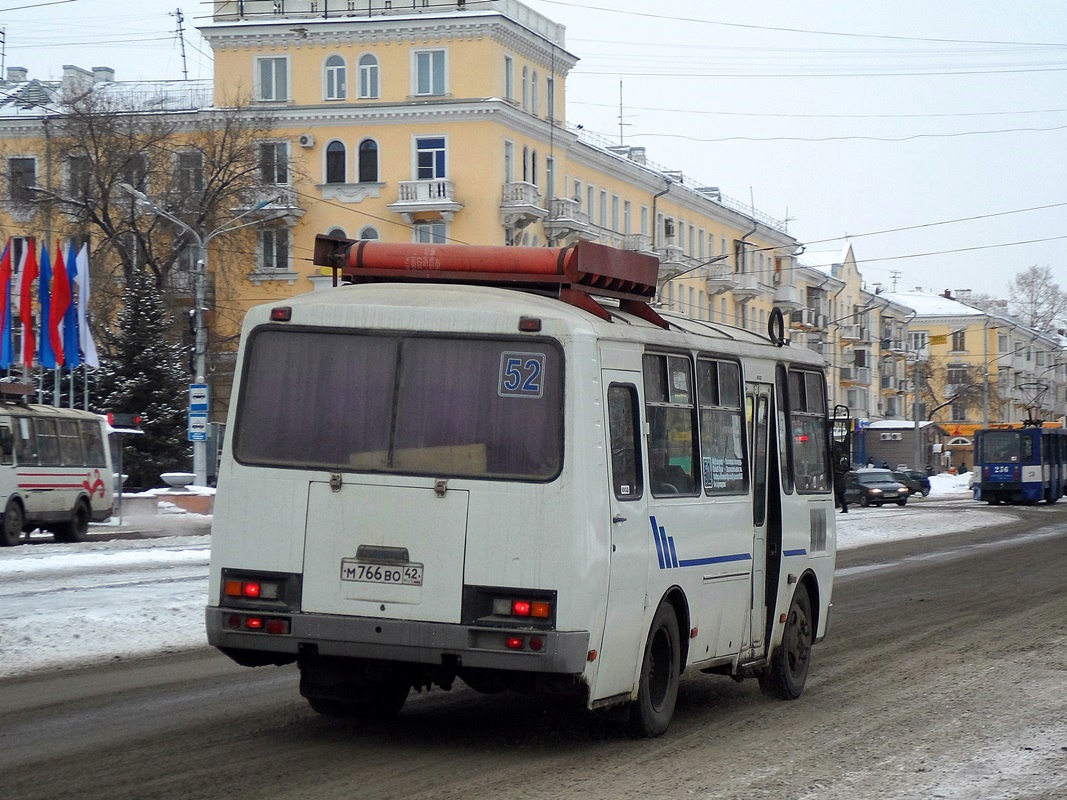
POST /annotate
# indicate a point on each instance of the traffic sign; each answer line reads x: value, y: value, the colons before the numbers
x: 198, y: 397
x: 197, y: 427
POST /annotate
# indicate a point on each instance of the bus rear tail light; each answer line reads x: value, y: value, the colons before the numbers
x: 509, y: 607
x: 252, y: 590
x: 256, y: 623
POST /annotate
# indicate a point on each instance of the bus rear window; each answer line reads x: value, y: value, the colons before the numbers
x: 415, y: 405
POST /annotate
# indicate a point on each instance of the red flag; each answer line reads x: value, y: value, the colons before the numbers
x: 5, y: 281
x: 60, y: 304
x: 30, y: 270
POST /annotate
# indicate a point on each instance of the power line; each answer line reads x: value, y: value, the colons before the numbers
x: 807, y: 31
x: 846, y: 138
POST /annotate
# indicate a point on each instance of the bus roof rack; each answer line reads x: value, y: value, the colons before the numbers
x: 15, y: 389
x: 575, y: 274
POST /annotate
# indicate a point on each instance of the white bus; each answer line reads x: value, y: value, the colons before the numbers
x: 55, y: 468
x: 466, y: 466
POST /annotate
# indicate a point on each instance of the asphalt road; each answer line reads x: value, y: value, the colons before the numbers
x: 944, y: 676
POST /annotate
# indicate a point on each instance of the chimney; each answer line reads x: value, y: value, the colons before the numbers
x: 674, y: 174
x: 18, y: 74
x: 711, y: 192
x: 637, y: 155
x: 103, y: 74
x: 76, y: 80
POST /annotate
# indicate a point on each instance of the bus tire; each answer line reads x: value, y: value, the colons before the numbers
x: 77, y: 527
x: 384, y: 702
x: 788, y: 670
x: 11, y: 529
x: 661, y: 668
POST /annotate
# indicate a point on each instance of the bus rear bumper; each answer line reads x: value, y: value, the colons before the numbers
x: 556, y: 652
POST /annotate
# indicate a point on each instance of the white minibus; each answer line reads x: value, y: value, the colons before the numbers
x: 503, y: 465
x: 55, y: 468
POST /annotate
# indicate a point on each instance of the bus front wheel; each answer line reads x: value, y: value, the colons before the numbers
x: 661, y: 667
x: 788, y: 670
x: 11, y: 529
x: 77, y: 527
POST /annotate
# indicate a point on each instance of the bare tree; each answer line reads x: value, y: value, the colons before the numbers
x: 1036, y: 299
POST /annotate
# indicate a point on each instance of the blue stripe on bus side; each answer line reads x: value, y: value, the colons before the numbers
x: 699, y: 562
x: 659, y: 544
x: 800, y: 552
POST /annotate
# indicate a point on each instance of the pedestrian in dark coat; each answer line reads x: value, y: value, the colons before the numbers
x: 839, y: 492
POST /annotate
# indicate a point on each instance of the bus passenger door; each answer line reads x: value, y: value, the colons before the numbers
x: 758, y: 410
x: 628, y: 525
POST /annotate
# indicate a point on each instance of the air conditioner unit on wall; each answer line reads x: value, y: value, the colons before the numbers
x: 896, y: 437
x: 307, y: 140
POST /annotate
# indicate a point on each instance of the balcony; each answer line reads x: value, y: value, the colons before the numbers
x: 854, y: 333
x: 270, y: 201
x: 890, y: 382
x: 802, y: 319
x: 787, y: 298
x: 861, y: 375
x: 428, y: 199
x: 638, y: 243
x: 566, y: 223
x: 521, y: 205
x: 895, y: 346
x: 721, y: 278
x: 747, y: 288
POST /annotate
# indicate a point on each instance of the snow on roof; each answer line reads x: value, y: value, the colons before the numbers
x: 928, y: 304
x: 899, y: 424
x: 823, y: 260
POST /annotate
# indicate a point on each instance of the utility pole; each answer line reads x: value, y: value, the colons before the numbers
x: 181, y: 38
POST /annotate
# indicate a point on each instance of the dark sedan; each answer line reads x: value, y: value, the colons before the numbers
x: 874, y: 487
x: 917, y: 481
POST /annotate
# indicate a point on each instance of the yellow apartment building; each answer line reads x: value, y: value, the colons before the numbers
x: 445, y: 121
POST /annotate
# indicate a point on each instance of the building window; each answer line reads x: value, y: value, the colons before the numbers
x: 335, y: 162
x: 431, y: 232
x: 603, y: 209
x: 369, y: 233
x: 550, y: 98
x: 430, y: 72
x: 509, y: 162
x: 275, y: 249
x: 550, y: 177
x: 509, y: 78
x: 273, y: 163
x: 525, y: 88
x: 430, y: 158
x: 368, y: 161
x: 272, y: 75
x: 1003, y: 343
x: 135, y: 171
x: 920, y: 342
x: 190, y: 169
x: 959, y: 411
x: 959, y: 341
x: 369, y: 85
x: 535, y: 95
x: 79, y: 177
x: 533, y: 168
x: 337, y: 233
x: 335, y: 78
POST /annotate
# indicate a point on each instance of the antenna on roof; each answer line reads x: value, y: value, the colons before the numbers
x: 181, y: 38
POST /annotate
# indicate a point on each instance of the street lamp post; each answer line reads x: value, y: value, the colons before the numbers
x: 199, y: 299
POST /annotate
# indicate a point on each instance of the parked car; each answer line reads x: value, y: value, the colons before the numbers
x: 874, y: 487
x: 917, y: 482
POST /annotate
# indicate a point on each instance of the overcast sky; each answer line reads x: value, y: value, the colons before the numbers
x: 848, y: 118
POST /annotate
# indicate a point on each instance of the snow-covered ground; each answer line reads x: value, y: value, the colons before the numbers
x: 69, y: 605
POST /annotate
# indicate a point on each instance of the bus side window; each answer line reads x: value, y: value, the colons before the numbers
x: 623, y: 416
x: 70, y: 443
x: 25, y: 442
x: 670, y: 412
x: 7, y: 443
x: 93, y: 441
x: 47, y: 442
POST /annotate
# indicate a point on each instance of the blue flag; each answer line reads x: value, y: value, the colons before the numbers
x: 46, y: 355
x: 71, y: 358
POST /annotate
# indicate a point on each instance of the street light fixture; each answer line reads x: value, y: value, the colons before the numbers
x: 199, y: 299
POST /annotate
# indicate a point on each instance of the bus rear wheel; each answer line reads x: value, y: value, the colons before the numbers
x: 347, y: 688
x: 788, y: 670
x: 11, y: 529
x: 77, y: 527
x: 661, y: 667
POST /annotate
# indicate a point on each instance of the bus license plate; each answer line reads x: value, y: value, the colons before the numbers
x: 369, y: 572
